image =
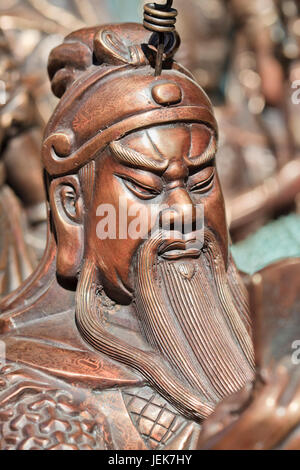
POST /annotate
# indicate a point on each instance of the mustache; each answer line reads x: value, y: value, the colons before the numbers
x: 180, y: 248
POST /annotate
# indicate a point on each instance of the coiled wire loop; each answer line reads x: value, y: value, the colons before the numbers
x: 161, y: 20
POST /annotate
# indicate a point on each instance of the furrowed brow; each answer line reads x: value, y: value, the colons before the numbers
x: 132, y: 157
x: 207, y: 156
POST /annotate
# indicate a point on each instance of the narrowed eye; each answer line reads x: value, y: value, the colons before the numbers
x: 204, y: 185
x: 141, y: 191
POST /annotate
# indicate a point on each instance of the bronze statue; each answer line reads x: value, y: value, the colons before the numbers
x: 115, y: 341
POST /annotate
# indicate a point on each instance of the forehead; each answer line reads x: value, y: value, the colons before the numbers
x: 171, y: 142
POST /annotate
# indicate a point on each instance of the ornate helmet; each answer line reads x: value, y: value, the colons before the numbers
x: 104, y: 78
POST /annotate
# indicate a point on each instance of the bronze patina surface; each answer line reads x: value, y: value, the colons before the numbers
x: 124, y: 342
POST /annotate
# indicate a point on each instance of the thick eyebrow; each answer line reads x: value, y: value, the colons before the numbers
x: 132, y: 157
x: 207, y: 156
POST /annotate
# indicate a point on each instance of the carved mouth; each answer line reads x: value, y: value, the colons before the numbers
x: 178, y: 249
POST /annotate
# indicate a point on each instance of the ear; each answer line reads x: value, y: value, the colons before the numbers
x: 68, y: 211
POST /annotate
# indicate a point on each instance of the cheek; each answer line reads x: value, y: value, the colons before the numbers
x: 121, y: 224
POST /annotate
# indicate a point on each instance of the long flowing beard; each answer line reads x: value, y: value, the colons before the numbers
x: 202, y: 350
x: 90, y: 323
x: 188, y: 315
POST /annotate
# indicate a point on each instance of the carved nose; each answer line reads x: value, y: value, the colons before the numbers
x: 181, y: 214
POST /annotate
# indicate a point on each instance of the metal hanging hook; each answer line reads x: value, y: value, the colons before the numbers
x: 161, y: 20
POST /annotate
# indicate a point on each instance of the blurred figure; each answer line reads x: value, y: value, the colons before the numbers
x: 246, y: 56
x: 28, y: 31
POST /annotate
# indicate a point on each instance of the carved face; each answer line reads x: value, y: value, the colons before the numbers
x: 157, y: 176
x: 191, y: 340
